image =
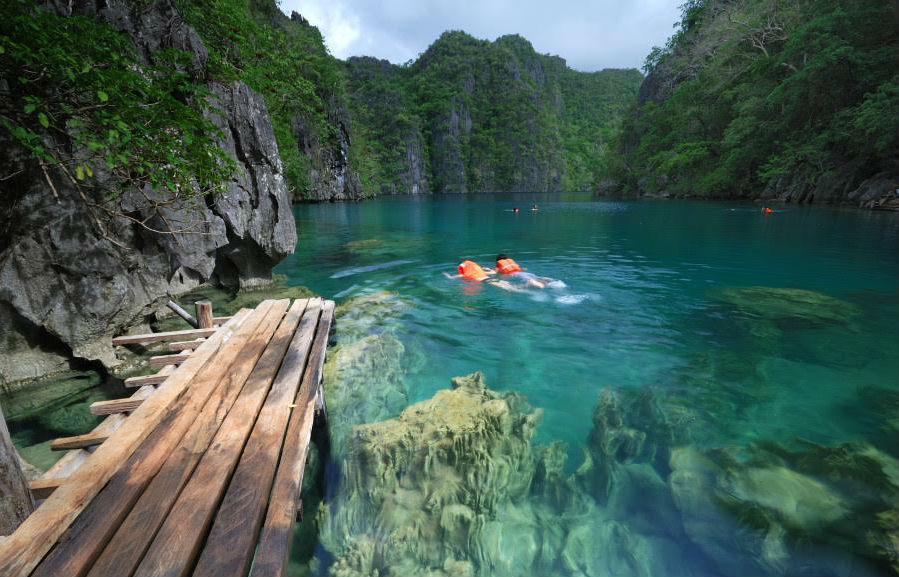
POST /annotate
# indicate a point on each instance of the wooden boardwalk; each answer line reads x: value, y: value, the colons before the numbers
x: 199, y: 471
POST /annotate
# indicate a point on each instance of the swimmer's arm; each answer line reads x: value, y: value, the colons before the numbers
x: 505, y: 285
x: 451, y: 276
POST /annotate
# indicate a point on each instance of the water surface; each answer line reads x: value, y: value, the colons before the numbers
x: 646, y: 307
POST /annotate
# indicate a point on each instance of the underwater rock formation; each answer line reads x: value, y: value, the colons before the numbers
x: 776, y: 507
x: 363, y: 373
x: 453, y: 487
x: 780, y: 304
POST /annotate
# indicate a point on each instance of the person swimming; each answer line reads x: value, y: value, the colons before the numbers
x: 507, y: 266
x: 534, y: 208
x: 472, y: 271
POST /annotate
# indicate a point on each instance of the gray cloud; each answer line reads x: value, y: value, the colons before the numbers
x: 589, y: 35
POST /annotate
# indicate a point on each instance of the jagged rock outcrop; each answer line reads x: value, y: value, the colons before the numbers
x: 330, y: 175
x: 68, y: 282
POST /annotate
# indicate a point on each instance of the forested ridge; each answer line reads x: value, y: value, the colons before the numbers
x: 792, y: 100
x: 473, y: 115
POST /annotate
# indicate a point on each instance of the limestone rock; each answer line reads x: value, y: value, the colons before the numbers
x: 67, y: 285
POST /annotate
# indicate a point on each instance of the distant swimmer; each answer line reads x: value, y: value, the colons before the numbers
x: 515, y: 210
x: 535, y: 208
x: 767, y: 210
x: 507, y: 266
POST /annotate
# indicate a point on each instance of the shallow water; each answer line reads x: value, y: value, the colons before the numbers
x: 646, y: 305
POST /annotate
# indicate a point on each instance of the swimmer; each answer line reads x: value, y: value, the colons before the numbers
x: 515, y: 210
x: 507, y: 266
x: 470, y: 270
x: 767, y: 210
x: 534, y: 208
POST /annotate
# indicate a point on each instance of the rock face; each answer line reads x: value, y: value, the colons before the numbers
x: 475, y: 116
x: 68, y: 285
x: 330, y: 176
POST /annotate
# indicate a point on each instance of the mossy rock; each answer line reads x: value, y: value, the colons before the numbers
x: 784, y: 304
x: 44, y: 395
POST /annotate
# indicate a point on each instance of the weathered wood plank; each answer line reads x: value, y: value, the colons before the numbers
x: 164, y: 360
x: 74, y: 458
x: 113, y: 406
x: 23, y: 550
x: 220, y: 320
x: 155, y: 379
x: 273, y: 547
x: 82, y: 543
x: 78, y: 441
x: 242, y: 382
x: 229, y: 548
x: 185, y: 345
x: 43, y: 488
x: 163, y: 336
x: 178, y: 541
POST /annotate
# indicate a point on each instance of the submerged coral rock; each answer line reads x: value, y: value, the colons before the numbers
x: 790, y: 304
x: 427, y: 486
x: 773, y: 504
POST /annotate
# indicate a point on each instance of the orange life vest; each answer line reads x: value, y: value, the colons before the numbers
x: 507, y: 266
x: 472, y: 270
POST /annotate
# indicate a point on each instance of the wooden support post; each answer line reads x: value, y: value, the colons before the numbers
x: 204, y: 314
x: 16, y: 503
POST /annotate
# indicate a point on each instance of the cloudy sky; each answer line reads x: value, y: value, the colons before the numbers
x: 589, y: 34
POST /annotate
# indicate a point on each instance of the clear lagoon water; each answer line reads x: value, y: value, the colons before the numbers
x: 655, y: 299
x: 770, y: 343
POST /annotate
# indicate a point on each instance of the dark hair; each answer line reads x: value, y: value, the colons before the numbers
x: 500, y: 257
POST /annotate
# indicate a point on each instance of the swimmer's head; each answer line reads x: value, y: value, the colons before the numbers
x: 501, y: 256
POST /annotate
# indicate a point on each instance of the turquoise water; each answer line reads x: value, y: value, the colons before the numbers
x: 655, y: 300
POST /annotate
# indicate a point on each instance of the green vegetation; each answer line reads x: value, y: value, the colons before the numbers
x: 747, y: 94
x: 483, y: 116
x: 282, y: 59
x: 76, y: 99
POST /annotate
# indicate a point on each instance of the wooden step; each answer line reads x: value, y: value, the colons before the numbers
x: 43, y: 488
x: 163, y: 360
x: 164, y: 336
x: 185, y: 345
x: 78, y: 441
x: 220, y: 320
x: 113, y: 406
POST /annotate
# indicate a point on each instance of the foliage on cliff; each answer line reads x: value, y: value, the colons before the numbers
x: 284, y: 59
x: 74, y: 95
x: 799, y: 97
x: 481, y: 116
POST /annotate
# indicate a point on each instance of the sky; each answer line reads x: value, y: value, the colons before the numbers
x: 590, y: 35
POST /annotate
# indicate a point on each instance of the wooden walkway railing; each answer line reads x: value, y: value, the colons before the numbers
x: 199, y: 471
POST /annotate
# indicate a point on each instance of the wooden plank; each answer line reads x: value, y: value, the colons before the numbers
x: 164, y: 336
x: 229, y: 548
x: 273, y: 547
x: 163, y: 360
x: 220, y: 320
x: 43, y: 488
x: 124, y: 552
x: 78, y: 441
x: 154, y: 379
x: 25, y: 548
x: 113, y: 406
x: 83, y: 542
x: 178, y: 541
x: 185, y: 345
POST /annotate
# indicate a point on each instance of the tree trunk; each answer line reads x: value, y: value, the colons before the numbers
x: 15, y: 498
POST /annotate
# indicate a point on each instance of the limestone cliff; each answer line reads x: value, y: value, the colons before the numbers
x: 68, y: 282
